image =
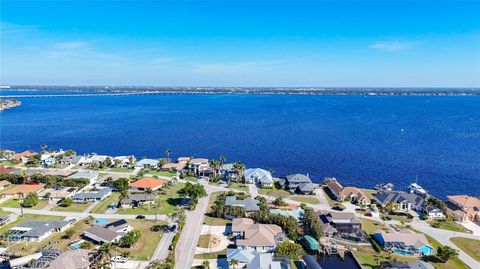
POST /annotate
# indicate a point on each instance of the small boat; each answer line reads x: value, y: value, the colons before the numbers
x: 384, y: 187
x: 417, y: 189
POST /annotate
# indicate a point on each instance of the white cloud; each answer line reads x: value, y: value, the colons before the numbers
x: 72, y: 45
x: 391, y: 46
x: 223, y: 68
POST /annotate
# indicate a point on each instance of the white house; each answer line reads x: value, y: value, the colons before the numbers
x: 258, y: 176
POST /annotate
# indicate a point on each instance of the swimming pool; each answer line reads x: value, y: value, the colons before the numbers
x: 100, y: 221
x: 76, y: 245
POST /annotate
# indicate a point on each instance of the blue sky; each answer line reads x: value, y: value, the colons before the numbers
x: 241, y: 43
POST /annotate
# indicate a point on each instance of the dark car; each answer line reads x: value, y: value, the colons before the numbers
x: 140, y: 217
x: 173, y: 228
x: 338, y: 208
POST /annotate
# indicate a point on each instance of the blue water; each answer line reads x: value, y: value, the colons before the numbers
x: 358, y: 139
x: 100, y: 221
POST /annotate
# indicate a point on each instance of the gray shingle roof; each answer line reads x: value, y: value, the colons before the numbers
x: 298, y: 178
x: 385, y: 197
x: 39, y: 228
x: 92, y: 194
x: 248, y: 204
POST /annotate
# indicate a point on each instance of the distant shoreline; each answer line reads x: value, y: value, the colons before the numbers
x: 68, y: 91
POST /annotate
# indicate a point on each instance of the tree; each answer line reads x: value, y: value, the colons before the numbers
x: 43, y: 147
x: 239, y: 168
x: 131, y: 238
x: 206, y: 264
x: 193, y: 191
x: 66, y: 202
x: 168, y: 152
x: 313, y: 226
x: 107, y: 162
x: 233, y: 263
x: 69, y: 233
x: 446, y: 253
x: 215, y: 165
x: 69, y: 153
x: 105, y: 250
x: 292, y: 250
x: 222, y: 160
x: 31, y: 200
x: 122, y: 186
x: 280, y: 202
x: 86, y: 245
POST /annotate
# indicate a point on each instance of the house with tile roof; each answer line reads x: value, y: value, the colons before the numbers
x: 23, y: 156
x: 463, y: 208
x: 147, y: 183
x: 340, y: 193
x: 404, y: 242
x: 256, y: 236
x: 258, y: 176
x: 22, y: 190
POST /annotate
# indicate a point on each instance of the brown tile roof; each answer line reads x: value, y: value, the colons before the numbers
x: 465, y: 200
x: 148, y: 183
x: 25, y: 188
x: 347, y: 191
x: 26, y: 153
x: 255, y: 234
x: 335, y: 187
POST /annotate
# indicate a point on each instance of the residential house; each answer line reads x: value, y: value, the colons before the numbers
x: 4, y: 184
x: 147, y: 163
x: 73, y: 160
x: 147, y: 183
x: 47, y: 160
x: 181, y: 163
x: 91, y: 176
x: 404, y: 242
x: 340, y: 193
x: 258, y: 176
x: 136, y: 200
x: 123, y: 161
x: 93, y: 195
x: 433, y: 212
x: 402, y: 201
x: 35, y: 230
x: 297, y: 213
x: 57, y: 193
x: 343, y: 225
x: 310, y: 262
x: 227, y: 171
x: 405, y: 265
x: 22, y: 190
x: 250, y: 259
x: 108, y: 233
x: 297, y: 183
x: 94, y: 159
x: 23, y: 156
x: 257, y: 237
x: 249, y: 205
x: 198, y: 165
x: 78, y: 259
x: 463, y: 208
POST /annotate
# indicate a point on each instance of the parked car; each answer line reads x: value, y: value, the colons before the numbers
x: 173, y: 228
x: 140, y: 217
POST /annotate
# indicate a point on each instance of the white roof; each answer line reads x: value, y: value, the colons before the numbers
x: 258, y: 174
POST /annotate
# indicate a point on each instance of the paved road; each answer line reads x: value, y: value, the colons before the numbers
x: 253, y: 190
x: 161, y: 252
x: 78, y: 215
x: 187, y: 243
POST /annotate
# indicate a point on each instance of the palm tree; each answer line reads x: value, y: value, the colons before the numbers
x: 43, y: 147
x: 106, y: 250
x: 233, y: 263
x: 167, y: 152
x: 222, y: 160
x: 215, y: 165
x: 206, y: 264
x: 239, y: 167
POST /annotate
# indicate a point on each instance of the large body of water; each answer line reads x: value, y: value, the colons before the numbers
x: 361, y: 140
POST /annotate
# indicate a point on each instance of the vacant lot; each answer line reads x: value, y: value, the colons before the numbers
x: 101, y: 207
x: 75, y: 207
x: 13, y: 202
x: 470, y: 246
x: 451, y: 226
x: 308, y: 199
x: 145, y: 247
x: 277, y: 193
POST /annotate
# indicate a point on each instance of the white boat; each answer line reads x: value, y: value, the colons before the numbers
x: 415, y: 188
x: 384, y: 187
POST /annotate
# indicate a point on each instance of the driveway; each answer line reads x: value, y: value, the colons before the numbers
x: 472, y: 226
x: 253, y: 190
x: 221, y: 232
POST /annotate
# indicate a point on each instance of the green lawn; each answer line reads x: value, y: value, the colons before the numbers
x: 166, y: 203
x: 203, y: 240
x: 15, y: 203
x: 191, y: 179
x: 400, y: 218
x: 451, y: 226
x: 370, y: 226
x: 161, y: 173
x: 101, y: 207
x: 470, y: 246
x: 211, y: 220
x: 305, y: 199
x: 274, y: 193
x: 368, y: 257
x: 145, y: 247
x: 369, y: 193
x: 216, y: 255
x: 6, y: 164
x: 238, y: 186
x: 120, y: 170
x: 75, y: 207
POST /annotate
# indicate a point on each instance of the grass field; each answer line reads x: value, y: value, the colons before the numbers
x: 161, y: 173
x: 451, y: 226
x: 166, y: 203
x: 470, y: 246
x: 203, y: 240
x: 15, y: 203
x: 369, y: 193
x: 238, y: 186
x: 370, y: 226
x: 6, y: 164
x: 120, y: 170
x: 145, y: 247
x: 214, y: 221
x: 216, y: 255
x: 308, y: 199
x: 274, y: 193
x: 103, y: 205
x: 75, y: 207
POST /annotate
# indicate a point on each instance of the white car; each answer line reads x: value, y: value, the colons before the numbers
x: 119, y: 259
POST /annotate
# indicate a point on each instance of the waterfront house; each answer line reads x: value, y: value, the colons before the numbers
x: 343, y: 225
x: 405, y: 265
x: 35, y: 230
x: 257, y: 237
x: 404, y: 242
x: 403, y: 201
x: 297, y: 213
x: 227, y: 171
x: 72, y: 160
x: 47, y: 160
x: 297, y: 183
x: 93, y: 195
x: 250, y: 259
x: 123, y: 161
x: 147, y: 183
x: 23, y: 156
x: 341, y: 193
x: 4, y: 184
x: 57, y: 193
x: 22, y: 190
x: 91, y: 176
x: 147, y: 163
x: 248, y: 205
x: 94, y: 159
x: 258, y: 176
x: 463, y: 208
x: 136, y: 200
x: 179, y: 165
x: 197, y: 165
x: 432, y: 212
x: 109, y: 233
